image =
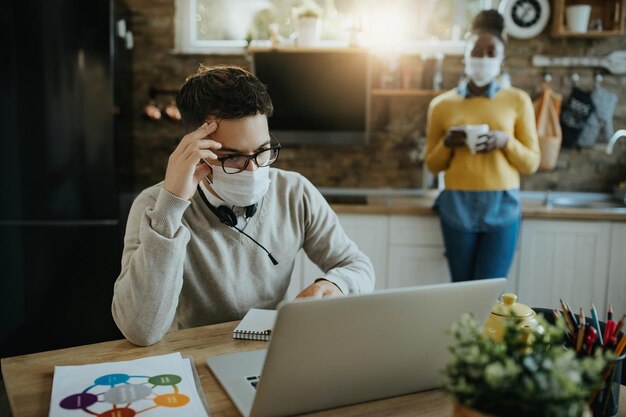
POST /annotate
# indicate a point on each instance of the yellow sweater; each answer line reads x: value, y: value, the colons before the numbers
x: 510, y: 111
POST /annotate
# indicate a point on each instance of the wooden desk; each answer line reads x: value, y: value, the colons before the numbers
x: 28, y: 378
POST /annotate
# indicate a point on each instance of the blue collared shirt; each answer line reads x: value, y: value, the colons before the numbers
x: 478, y: 211
x: 489, y: 92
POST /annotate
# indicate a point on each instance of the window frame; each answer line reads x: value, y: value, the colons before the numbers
x: 186, y: 38
x: 187, y: 43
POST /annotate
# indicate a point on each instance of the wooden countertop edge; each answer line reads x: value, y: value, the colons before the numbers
x: 529, y: 211
x: 572, y: 214
x: 382, y: 209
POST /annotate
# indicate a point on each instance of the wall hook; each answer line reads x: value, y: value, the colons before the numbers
x: 599, y: 78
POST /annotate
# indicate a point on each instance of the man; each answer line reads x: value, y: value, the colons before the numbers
x: 193, y: 250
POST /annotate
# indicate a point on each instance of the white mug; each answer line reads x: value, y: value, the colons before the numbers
x: 578, y: 17
x: 309, y: 31
x: 474, y: 135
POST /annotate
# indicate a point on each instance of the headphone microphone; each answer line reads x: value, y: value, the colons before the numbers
x: 228, y: 217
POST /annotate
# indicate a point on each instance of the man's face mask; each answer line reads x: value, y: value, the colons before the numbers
x: 241, y: 189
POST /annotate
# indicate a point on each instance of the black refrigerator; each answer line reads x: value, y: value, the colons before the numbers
x: 60, y: 232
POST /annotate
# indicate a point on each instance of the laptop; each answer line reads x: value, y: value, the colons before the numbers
x: 329, y: 352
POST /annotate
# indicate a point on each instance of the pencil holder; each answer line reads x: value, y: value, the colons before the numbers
x: 606, y: 403
x: 606, y: 400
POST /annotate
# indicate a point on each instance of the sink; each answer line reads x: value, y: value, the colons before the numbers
x: 587, y: 204
x: 362, y: 196
x: 346, y: 199
x: 577, y: 200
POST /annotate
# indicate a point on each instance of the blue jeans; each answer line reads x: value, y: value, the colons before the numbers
x: 480, y: 255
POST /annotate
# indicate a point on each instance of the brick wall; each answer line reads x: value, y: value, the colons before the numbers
x: 391, y: 157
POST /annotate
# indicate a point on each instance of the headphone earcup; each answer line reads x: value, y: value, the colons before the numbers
x: 251, y: 210
x: 226, y: 216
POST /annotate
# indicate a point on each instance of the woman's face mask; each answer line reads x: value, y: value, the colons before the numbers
x: 242, y: 189
x: 483, y: 58
x: 482, y: 71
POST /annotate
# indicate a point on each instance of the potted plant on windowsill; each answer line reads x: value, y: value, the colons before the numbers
x: 528, y: 373
x: 309, y: 24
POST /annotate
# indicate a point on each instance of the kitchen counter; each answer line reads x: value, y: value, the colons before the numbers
x: 420, y: 202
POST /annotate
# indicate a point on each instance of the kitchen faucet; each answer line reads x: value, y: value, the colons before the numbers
x: 618, y: 134
x: 619, y: 190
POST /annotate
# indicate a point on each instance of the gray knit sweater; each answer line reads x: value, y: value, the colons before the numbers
x: 182, y: 268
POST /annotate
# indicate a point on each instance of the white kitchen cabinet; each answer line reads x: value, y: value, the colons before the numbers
x: 416, y: 252
x: 512, y: 284
x: 415, y: 230
x: 368, y: 231
x: 420, y: 265
x: 579, y: 261
x: 564, y: 260
x: 416, y: 265
x: 295, y: 285
x: 304, y: 273
x: 617, y: 269
x: 405, y: 250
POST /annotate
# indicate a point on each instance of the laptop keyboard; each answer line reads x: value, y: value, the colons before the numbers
x: 253, y: 380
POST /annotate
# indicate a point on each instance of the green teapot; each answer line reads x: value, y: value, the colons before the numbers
x: 508, y: 309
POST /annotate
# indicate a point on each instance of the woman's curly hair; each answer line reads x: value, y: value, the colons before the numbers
x: 489, y: 21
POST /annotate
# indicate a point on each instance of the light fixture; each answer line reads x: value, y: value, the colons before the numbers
x: 155, y: 109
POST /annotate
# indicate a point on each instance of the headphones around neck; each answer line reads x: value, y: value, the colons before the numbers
x: 228, y: 216
x: 225, y: 214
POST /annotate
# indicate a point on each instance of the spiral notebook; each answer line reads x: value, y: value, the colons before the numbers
x: 257, y: 324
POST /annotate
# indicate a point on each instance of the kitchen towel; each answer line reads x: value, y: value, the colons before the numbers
x: 575, y: 112
x: 599, y: 126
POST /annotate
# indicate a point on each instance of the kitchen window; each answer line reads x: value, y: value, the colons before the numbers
x: 227, y: 26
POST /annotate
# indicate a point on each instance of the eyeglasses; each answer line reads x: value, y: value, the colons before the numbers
x: 234, y: 164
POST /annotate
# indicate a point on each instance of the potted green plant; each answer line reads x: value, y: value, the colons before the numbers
x: 529, y: 372
x: 309, y: 24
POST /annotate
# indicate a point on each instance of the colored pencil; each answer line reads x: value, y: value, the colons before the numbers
x: 572, y: 315
x: 596, y: 323
x: 580, y: 337
x: 620, y: 324
x: 620, y: 346
x: 568, y: 319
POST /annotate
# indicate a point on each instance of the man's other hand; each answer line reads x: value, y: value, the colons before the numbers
x: 320, y: 288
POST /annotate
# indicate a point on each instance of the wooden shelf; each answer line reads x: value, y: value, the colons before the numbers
x: 590, y: 34
x: 413, y: 92
x: 262, y: 46
x: 609, y: 12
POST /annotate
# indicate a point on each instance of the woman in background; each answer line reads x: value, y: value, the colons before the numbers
x: 480, y: 210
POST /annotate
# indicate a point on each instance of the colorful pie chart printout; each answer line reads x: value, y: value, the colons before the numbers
x: 148, y: 387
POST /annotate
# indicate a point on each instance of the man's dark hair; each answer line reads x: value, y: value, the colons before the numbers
x: 222, y: 92
x: 489, y: 21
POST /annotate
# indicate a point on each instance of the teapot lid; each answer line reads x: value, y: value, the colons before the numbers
x: 509, y: 307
